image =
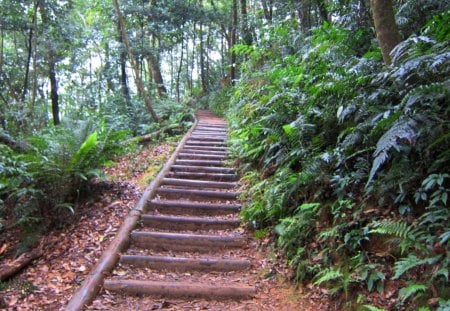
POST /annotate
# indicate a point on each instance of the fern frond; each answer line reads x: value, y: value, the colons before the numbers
x: 424, y: 93
x: 405, y: 264
x: 399, y: 229
x: 402, y: 129
x: 410, y: 290
x: 328, y: 274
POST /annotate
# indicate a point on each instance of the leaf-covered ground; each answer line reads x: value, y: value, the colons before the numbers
x: 70, y: 253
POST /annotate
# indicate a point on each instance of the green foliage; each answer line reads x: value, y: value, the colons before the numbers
x: 313, y: 121
x: 40, y: 188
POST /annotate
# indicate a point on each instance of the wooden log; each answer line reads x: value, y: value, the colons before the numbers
x: 204, y: 169
x: 201, y: 151
x: 204, y: 176
x: 211, y: 137
x: 200, y: 162
x: 180, y: 289
x: 8, y: 270
x: 149, y: 137
x: 166, y: 241
x: 193, y: 208
x: 196, y: 194
x: 193, y: 142
x: 207, y: 148
x: 185, y: 264
x: 198, y: 183
x: 188, y: 223
x: 196, y: 156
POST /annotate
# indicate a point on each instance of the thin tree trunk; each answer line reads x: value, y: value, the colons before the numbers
x: 123, y: 68
x: 109, y: 82
x: 156, y: 74
x: 35, y: 74
x: 267, y: 11
x: 179, y: 70
x: 233, y: 42
x: 246, y: 34
x: 385, y: 27
x: 51, y: 60
x: 134, y: 64
x: 202, y: 62
x: 27, y: 66
x: 323, y: 11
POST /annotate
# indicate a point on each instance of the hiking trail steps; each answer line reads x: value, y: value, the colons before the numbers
x: 187, y: 242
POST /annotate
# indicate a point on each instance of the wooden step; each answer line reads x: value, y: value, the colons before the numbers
x: 183, y: 264
x: 188, y: 223
x: 204, y: 176
x: 191, y: 142
x: 180, y: 289
x: 202, y: 169
x: 198, y: 183
x: 168, y: 241
x: 175, y: 193
x: 212, y: 137
x: 207, y: 148
x: 192, y: 208
x: 200, y: 162
x: 195, y: 156
x: 201, y: 151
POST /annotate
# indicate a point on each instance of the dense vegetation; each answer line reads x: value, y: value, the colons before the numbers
x: 347, y: 159
x: 340, y: 127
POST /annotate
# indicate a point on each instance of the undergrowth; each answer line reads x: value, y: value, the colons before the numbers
x: 347, y: 160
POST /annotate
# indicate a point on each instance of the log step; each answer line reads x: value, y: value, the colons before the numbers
x: 204, y: 176
x: 191, y: 142
x: 193, y: 208
x: 196, y: 194
x: 168, y: 241
x: 200, y: 151
x: 207, y: 148
x: 202, y: 169
x: 198, y: 183
x: 188, y: 223
x: 179, y: 289
x: 185, y: 264
x: 215, y: 138
x: 196, y: 156
x: 200, y: 162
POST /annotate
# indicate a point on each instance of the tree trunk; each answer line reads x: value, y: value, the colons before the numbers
x: 123, y: 68
x: 385, y: 27
x: 51, y: 62
x: 180, y: 68
x: 134, y: 65
x: 233, y: 42
x: 246, y: 34
x: 156, y: 74
x: 267, y: 11
x: 323, y: 10
x: 203, y: 77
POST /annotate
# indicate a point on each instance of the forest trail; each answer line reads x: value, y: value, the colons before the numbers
x: 188, y: 250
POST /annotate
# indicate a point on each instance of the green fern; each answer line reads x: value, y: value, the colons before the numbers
x: 399, y: 229
x: 405, y: 264
x: 410, y: 290
x: 401, y: 130
x: 328, y: 274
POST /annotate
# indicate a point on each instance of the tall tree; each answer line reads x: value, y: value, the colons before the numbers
x: 385, y: 27
x: 51, y: 63
x: 134, y: 64
x: 233, y: 41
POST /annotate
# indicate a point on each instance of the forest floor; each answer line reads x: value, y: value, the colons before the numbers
x: 71, y: 252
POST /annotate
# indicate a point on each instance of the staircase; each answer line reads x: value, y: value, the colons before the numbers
x: 188, y: 239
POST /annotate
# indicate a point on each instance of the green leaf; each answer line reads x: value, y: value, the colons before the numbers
x: 411, y: 290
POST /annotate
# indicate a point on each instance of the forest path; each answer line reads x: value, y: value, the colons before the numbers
x: 188, y: 250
